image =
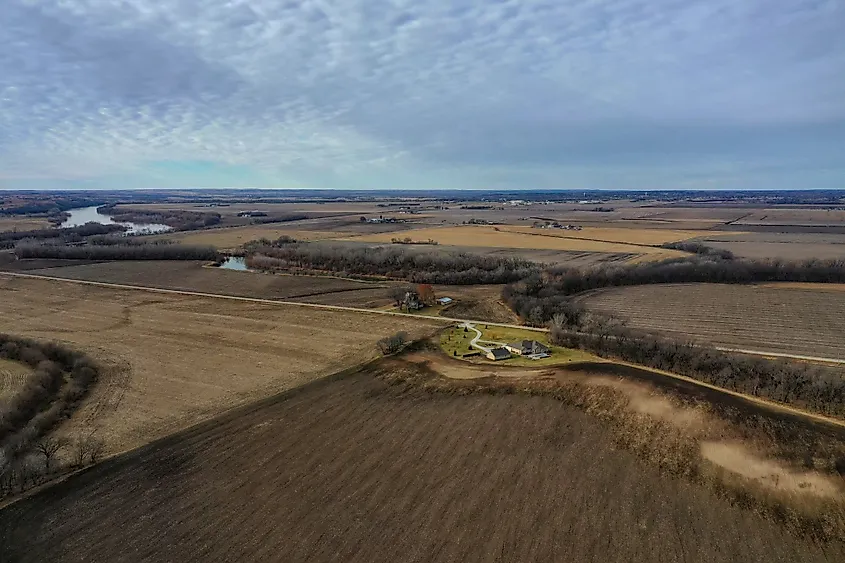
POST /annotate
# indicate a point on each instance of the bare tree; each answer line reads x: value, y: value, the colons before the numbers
x: 89, y: 449
x: 49, y: 447
x: 392, y: 344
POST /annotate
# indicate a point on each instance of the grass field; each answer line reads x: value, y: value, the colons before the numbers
x: 361, y: 471
x: 171, y: 361
x: 12, y: 377
x: 455, y: 340
x: 23, y: 223
x: 774, y: 318
x: 540, y: 239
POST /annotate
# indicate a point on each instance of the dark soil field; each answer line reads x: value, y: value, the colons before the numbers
x: 799, y: 319
x: 352, y: 468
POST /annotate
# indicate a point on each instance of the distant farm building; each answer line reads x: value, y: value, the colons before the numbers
x: 252, y: 214
x: 498, y: 354
x: 530, y: 348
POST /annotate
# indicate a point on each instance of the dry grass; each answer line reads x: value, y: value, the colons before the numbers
x: 357, y: 469
x: 635, y: 236
x: 23, y: 223
x: 756, y: 317
x: 172, y: 361
x: 12, y: 378
x: 232, y: 238
x: 540, y: 239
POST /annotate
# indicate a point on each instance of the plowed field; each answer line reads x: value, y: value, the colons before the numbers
x: 351, y: 470
x: 804, y: 319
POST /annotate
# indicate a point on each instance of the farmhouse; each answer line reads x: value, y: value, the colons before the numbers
x: 498, y: 354
x: 527, y: 348
x: 412, y: 301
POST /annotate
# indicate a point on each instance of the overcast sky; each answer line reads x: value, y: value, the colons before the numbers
x: 423, y: 94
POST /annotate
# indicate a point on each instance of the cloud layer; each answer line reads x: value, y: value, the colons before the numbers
x: 422, y: 94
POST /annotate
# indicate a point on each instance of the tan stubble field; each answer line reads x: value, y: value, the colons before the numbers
x: 172, y: 360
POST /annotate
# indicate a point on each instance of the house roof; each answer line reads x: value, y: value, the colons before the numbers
x: 500, y: 353
x: 528, y: 345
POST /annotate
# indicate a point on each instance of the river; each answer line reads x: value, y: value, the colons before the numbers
x: 82, y: 215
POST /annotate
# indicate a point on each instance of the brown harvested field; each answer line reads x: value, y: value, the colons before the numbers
x: 174, y: 360
x: 636, y: 236
x: 779, y: 318
x: 353, y: 469
x: 196, y: 276
x: 23, y: 223
x: 787, y: 246
x: 12, y: 378
x: 231, y: 238
x: 539, y: 239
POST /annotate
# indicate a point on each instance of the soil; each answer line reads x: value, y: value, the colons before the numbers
x: 354, y: 469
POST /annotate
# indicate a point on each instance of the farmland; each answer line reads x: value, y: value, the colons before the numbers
x: 194, y: 276
x: 12, y: 377
x: 540, y: 239
x: 22, y: 223
x: 343, y: 468
x: 171, y: 361
x: 232, y: 238
x: 803, y: 319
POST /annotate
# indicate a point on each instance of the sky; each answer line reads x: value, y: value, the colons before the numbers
x: 422, y: 94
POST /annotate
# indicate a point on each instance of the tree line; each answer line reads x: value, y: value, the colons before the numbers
x: 699, y: 248
x: 60, y: 379
x: 456, y: 268
x: 8, y: 239
x: 568, y: 281
x: 130, y: 251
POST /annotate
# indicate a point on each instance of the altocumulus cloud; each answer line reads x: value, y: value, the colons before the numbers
x: 422, y: 93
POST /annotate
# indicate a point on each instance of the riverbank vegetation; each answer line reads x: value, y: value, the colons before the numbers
x: 66, y: 235
x: 128, y: 251
x: 177, y: 220
x: 429, y: 266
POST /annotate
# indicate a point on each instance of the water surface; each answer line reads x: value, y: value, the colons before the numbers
x: 234, y: 263
x: 82, y: 215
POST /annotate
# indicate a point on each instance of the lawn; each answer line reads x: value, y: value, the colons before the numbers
x: 454, y: 339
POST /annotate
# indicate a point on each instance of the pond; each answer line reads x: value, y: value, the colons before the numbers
x: 82, y: 215
x: 234, y: 263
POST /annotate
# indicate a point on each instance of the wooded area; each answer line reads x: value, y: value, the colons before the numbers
x: 60, y: 379
x: 131, y: 251
x: 456, y: 268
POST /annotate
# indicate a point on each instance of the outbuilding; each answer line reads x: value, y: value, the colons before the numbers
x: 498, y: 354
